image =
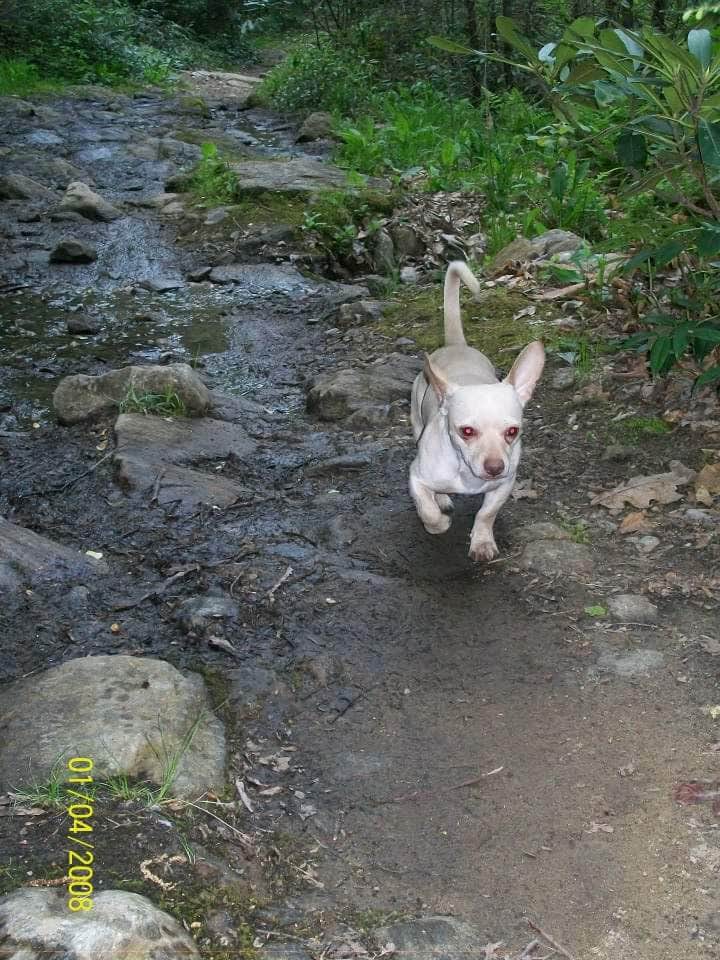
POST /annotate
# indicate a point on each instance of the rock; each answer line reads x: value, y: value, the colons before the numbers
x: 564, y: 378
x: 406, y: 240
x: 298, y: 175
x: 409, y: 275
x: 360, y: 312
x: 81, y: 323
x: 316, y: 126
x: 196, y: 614
x: 703, y: 517
x: 264, y: 279
x: 36, y: 924
x: 217, y: 215
x: 161, y: 284
x: 336, y: 395
x: 523, y: 250
x: 26, y: 557
x: 15, y: 186
x: 557, y: 558
x: 70, y: 250
x: 645, y: 544
x: 270, y: 235
x: 133, y: 715
x: 542, y: 530
x: 432, y: 938
x: 347, y: 463
x: 632, y: 608
x: 284, y: 951
x: 639, y: 663
x: 616, y: 453
x: 338, y: 532
x: 82, y: 397
x: 154, y: 454
x: 384, y: 253
x: 79, y: 198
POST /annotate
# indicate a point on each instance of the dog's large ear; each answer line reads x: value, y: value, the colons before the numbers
x: 526, y: 370
x: 436, y: 380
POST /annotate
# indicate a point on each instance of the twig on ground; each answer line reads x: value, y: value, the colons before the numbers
x: 553, y: 943
x: 276, y: 586
x: 156, y: 591
x: 156, y: 488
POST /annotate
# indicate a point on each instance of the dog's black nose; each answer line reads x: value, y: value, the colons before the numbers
x: 493, y: 468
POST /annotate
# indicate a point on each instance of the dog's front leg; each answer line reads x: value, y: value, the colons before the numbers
x: 426, y: 504
x: 482, y: 541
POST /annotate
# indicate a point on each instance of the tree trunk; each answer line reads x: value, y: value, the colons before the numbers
x: 659, y: 14
x: 471, y: 26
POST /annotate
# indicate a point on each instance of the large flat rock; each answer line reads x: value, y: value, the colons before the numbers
x: 341, y: 393
x: 36, y: 924
x: 81, y: 397
x: 299, y: 175
x: 132, y: 715
x: 28, y: 558
x: 264, y: 279
x: 167, y: 458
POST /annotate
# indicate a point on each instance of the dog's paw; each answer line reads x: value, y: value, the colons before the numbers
x: 444, y: 502
x: 483, y: 550
x: 440, y: 526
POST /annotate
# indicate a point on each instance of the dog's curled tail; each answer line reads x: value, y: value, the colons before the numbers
x: 457, y: 271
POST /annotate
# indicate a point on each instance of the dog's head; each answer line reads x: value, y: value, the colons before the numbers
x: 484, y: 421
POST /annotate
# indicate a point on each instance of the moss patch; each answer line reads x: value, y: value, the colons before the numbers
x: 488, y: 322
x: 634, y: 429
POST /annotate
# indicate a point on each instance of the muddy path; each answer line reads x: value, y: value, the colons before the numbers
x: 463, y: 740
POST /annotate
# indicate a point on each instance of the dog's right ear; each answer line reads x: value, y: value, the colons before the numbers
x: 436, y: 380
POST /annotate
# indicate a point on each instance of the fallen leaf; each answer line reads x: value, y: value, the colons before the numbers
x: 641, y: 491
x: 95, y: 554
x: 242, y: 793
x: 306, y: 811
x: 600, y: 828
x: 714, y: 712
x: 525, y: 312
x: 636, y: 522
x: 628, y: 770
x: 695, y: 791
x: 524, y: 491
x: 710, y: 645
x: 561, y: 293
x: 271, y: 791
x: 709, y: 479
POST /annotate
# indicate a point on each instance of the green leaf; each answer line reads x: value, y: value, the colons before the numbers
x: 708, y: 241
x: 507, y: 30
x: 661, y: 355
x: 631, y: 149
x: 709, y: 376
x: 546, y: 53
x: 709, y: 142
x: 629, y: 41
x: 585, y: 72
x: 449, y: 46
x: 667, y: 252
x: 700, y: 46
x: 559, y: 181
x: 595, y: 611
x: 706, y: 334
x: 680, y: 342
x: 581, y: 29
x: 674, y: 101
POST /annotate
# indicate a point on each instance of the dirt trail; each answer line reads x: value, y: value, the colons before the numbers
x: 469, y: 740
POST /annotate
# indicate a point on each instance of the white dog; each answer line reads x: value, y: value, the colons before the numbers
x: 467, y: 424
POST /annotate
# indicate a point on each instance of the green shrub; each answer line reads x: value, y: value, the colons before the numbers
x: 319, y: 76
x: 19, y: 78
x: 212, y: 180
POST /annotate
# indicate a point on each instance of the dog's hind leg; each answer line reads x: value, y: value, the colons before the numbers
x: 482, y: 540
x: 444, y: 502
x: 427, y: 506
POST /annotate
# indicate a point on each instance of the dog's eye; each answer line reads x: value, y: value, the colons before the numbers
x: 468, y: 432
x: 511, y: 433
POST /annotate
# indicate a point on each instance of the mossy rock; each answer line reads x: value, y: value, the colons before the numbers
x: 193, y: 106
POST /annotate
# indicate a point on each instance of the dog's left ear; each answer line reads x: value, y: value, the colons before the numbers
x: 526, y: 370
x: 436, y: 379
